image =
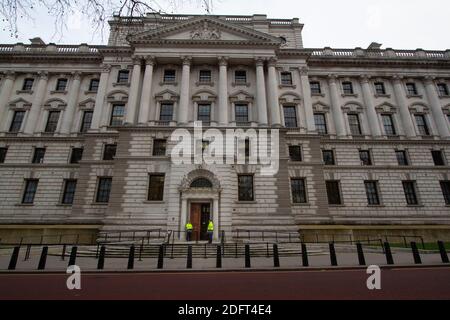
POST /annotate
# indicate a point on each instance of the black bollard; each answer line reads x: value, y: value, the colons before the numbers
x: 73, y: 256
x: 219, y: 257
x: 161, y: 257
x: 101, y: 258
x: 131, y: 258
x: 247, y: 256
x: 333, y: 257
x: 444, y: 256
x: 361, y: 258
x: 14, y: 257
x: 27, y: 253
x: 276, y: 258
x: 304, y: 255
x: 63, y: 253
x: 189, y: 258
x: 388, y: 253
x: 43, y: 259
x: 415, y: 253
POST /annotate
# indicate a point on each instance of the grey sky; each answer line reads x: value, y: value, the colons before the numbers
x: 400, y: 24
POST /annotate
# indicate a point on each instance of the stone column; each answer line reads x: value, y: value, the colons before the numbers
x: 400, y: 96
x: 370, y: 107
x: 71, y: 104
x: 184, y: 92
x: 5, y: 93
x: 183, y: 218
x: 36, y: 105
x: 130, y: 117
x: 223, y: 92
x: 307, y: 101
x: 100, y: 99
x: 436, y: 108
x: 147, y: 110
x: 216, y: 219
x: 336, y: 111
x: 261, y: 93
x: 274, y: 104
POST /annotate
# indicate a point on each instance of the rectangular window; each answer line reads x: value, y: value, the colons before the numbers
x: 355, y: 126
x: 372, y: 192
x: 38, y: 156
x: 27, y: 84
x: 52, y: 121
x: 61, y: 85
x: 286, y: 78
x: 76, y: 156
x: 411, y: 89
x: 3, y: 152
x: 380, y: 88
x: 17, y: 120
x: 93, y: 85
x: 321, y: 123
x: 117, y: 114
x: 103, y: 190
x: 245, y: 187
x: 30, y: 190
x: 204, y: 113
x: 70, y: 186
x: 241, y: 113
x: 422, y: 124
x: 159, y: 147
x: 315, y: 87
x: 247, y: 147
x: 443, y: 89
x: 109, y: 151
x: 295, y: 153
x: 347, y: 87
x: 86, y: 121
x: 240, y: 77
x: 169, y: 75
x: 328, y: 157
x: 156, y: 187
x: 333, y: 192
x: 402, y: 157
x: 122, y: 76
x: 388, y: 125
x: 166, y: 113
x: 364, y: 156
x: 438, y: 157
x: 298, y: 190
x: 290, y: 116
x: 205, y: 76
x: 445, y: 186
x: 409, y: 187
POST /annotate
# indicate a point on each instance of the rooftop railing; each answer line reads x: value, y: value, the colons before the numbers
x: 381, y: 53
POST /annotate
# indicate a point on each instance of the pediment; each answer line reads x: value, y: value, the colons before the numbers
x: 205, y: 30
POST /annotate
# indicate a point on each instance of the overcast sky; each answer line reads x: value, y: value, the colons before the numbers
x: 400, y: 24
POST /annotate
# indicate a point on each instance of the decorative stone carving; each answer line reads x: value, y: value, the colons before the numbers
x: 205, y: 32
x: 200, y: 173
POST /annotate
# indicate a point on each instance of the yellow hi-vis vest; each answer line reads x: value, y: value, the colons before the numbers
x: 189, y: 226
x: 210, y: 226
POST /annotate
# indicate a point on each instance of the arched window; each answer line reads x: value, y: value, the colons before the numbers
x: 201, y: 183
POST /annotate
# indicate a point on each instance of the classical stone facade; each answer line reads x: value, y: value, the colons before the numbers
x: 85, y: 131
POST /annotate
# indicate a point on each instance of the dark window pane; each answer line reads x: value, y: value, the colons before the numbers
x: 379, y: 88
x: 240, y: 76
x: 247, y: 147
x: 118, y: 112
x: 205, y: 76
x: 388, y: 124
x: 109, y: 152
x: 159, y: 147
x: 315, y: 87
x: 87, y: 120
x: 166, y: 113
x: 402, y: 157
x: 93, y: 85
x: 38, y: 156
x: 411, y: 89
x: 201, y: 183
x: 333, y: 192
x: 245, y: 187
x: 52, y: 121
x: 445, y: 186
x: 156, y: 187
x: 353, y: 121
x: 321, y: 124
x: 27, y: 84
x: 443, y: 89
x: 422, y: 125
x: 3, y: 152
x: 290, y: 117
x: 61, y: 85
x: 298, y: 190
x: 103, y: 190
x: 123, y: 75
x: 30, y: 191
x: 295, y: 153
x: 204, y: 113
x: 69, y: 191
x: 372, y: 192
x: 328, y: 157
x: 410, y: 192
x: 347, y: 87
x: 16, y: 123
x: 77, y: 154
x: 364, y: 156
x: 286, y: 78
x: 438, y: 158
x: 169, y: 75
x: 241, y: 113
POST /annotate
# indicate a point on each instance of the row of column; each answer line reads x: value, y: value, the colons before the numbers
x: 399, y: 93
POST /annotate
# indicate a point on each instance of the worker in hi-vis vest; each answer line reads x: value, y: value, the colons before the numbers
x: 210, y: 231
x: 189, y: 228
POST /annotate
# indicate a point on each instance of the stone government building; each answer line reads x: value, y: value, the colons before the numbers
x: 84, y: 132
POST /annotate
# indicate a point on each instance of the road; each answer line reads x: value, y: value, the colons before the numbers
x: 396, y: 283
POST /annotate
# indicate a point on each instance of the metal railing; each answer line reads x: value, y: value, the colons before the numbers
x: 131, y: 236
x: 262, y: 235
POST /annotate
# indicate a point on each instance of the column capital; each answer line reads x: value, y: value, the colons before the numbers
x: 272, y: 62
x: 332, y: 78
x: 223, y: 61
x: 43, y: 75
x: 429, y: 79
x: 136, y: 60
x: 364, y: 78
x: 76, y: 75
x: 150, y: 60
x: 303, y: 71
x: 397, y: 77
x: 259, y: 61
x: 186, y: 60
x: 106, y: 67
x: 10, y: 75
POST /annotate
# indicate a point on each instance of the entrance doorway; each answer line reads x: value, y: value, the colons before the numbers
x: 200, y: 215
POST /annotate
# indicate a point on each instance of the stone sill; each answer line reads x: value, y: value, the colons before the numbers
x: 199, y: 83
x: 99, y: 204
x: 24, y: 91
x: 90, y: 92
x: 384, y: 95
x: 58, y: 92
x: 336, y: 205
x: 353, y: 95
x: 318, y: 95
x: 153, y: 202
x: 376, y: 206
x: 64, y: 205
x: 246, y: 202
x: 162, y: 83
x: 409, y: 96
x: 300, y: 204
x: 415, y: 206
x: 292, y: 86
x: 240, y: 84
x: 444, y: 96
x: 121, y: 84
